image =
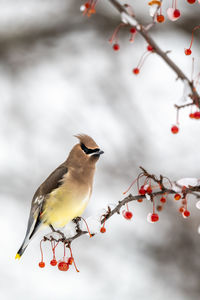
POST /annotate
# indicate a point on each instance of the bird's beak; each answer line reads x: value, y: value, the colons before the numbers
x: 98, y: 152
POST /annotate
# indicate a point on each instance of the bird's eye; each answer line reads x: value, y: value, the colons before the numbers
x: 87, y: 150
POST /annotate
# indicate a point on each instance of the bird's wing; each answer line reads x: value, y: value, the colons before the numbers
x: 53, y: 181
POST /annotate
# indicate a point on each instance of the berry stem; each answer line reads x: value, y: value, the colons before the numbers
x: 153, y: 205
x: 192, y: 71
x: 177, y: 116
x: 93, y: 4
x: 127, y: 207
x: 53, y: 248
x: 138, y: 180
x: 197, y: 80
x: 143, y: 58
x: 114, y: 36
x: 175, y: 4
x: 130, y: 186
x: 64, y: 250
x: 195, y: 28
x: 71, y: 254
x: 41, y: 250
x: 87, y: 227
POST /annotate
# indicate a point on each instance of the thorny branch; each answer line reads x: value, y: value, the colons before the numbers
x: 160, y: 190
x: 164, y: 55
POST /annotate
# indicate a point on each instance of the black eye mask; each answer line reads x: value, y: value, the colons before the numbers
x: 87, y: 150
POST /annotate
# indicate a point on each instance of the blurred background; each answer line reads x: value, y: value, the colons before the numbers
x: 58, y: 77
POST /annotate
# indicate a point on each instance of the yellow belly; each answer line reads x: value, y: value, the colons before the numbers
x: 62, y: 206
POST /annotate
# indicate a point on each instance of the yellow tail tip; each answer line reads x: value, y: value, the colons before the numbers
x: 18, y: 256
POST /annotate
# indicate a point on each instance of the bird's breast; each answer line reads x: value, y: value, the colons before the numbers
x: 63, y: 205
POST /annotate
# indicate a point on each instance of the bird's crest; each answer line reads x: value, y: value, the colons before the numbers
x: 87, y: 141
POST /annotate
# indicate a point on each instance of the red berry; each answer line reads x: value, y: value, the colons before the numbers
x: 116, y: 47
x: 142, y: 191
x: 154, y: 217
x: 53, y: 262
x: 160, y: 18
x: 174, y: 129
x: 186, y: 213
x: 140, y: 200
x: 188, y: 51
x: 149, y: 48
x: 41, y: 264
x: 159, y: 208
x: 181, y: 209
x: 136, y: 71
x: 133, y: 30
x: 163, y: 199
x: 177, y: 197
x: 191, y: 1
x: 176, y: 13
x: 191, y: 116
x: 70, y: 261
x: 149, y: 190
x: 63, y: 266
x: 197, y: 115
x: 127, y: 215
x: 87, y: 5
x: 103, y: 229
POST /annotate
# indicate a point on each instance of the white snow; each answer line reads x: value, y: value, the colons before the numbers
x: 198, y: 204
x: 187, y: 182
x: 126, y: 19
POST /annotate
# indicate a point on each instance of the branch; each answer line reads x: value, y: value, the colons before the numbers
x: 194, y: 190
x: 144, y: 33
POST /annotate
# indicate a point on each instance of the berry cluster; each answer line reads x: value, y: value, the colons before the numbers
x: 88, y: 8
x: 173, y: 13
x: 149, y: 50
x: 116, y: 46
x: 114, y: 38
x: 163, y: 200
x: 183, y: 208
x: 193, y: 115
x: 64, y: 263
x: 146, y: 190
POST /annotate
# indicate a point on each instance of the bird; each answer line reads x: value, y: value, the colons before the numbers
x: 65, y: 193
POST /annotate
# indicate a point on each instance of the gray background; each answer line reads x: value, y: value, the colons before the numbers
x: 59, y: 76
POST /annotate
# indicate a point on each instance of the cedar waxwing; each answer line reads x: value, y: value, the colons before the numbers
x: 64, y: 195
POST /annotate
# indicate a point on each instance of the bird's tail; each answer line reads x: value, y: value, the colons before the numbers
x: 31, y: 230
x: 21, y: 251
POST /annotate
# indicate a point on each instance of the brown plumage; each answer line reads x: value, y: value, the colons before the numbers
x: 87, y: 141
x: 65, y: 193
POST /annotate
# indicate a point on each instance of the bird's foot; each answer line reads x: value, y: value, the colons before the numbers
x: 58, y: 231
x: 76, y: 221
